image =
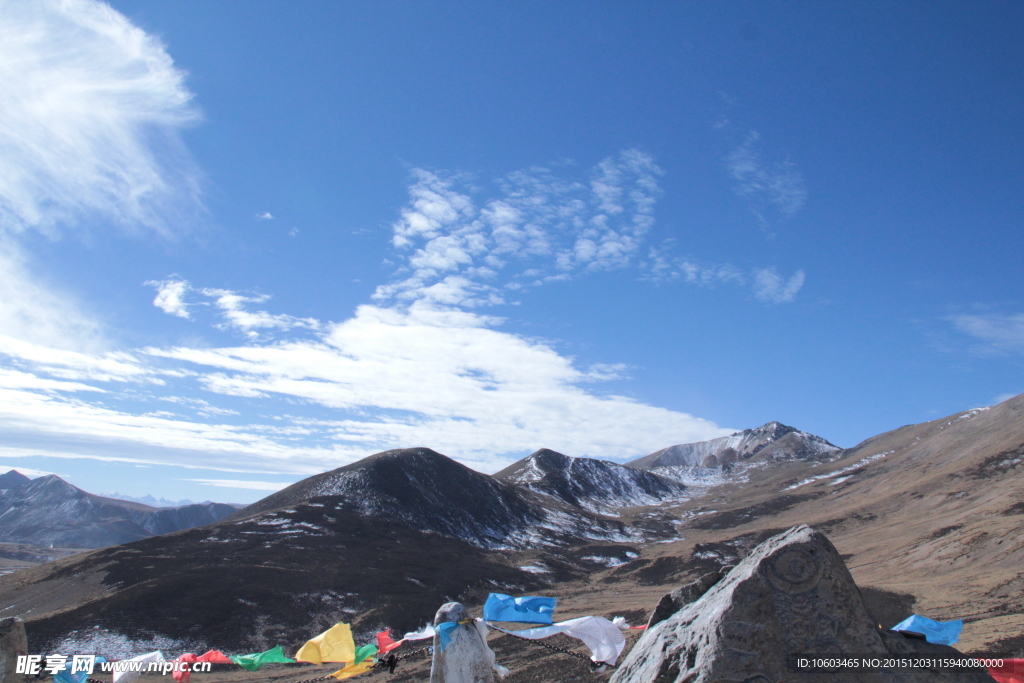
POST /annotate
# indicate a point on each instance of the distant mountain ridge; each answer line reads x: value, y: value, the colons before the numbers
x: 771, y: 442
x: 433, y: 492
x: 150, y: 500
x: 595, y: 485
x: 50, y: 511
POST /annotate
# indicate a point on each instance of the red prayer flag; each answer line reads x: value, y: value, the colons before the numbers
x: 1012, y: 671
x: 385, y: 643
x: 184, y: 676
x: 214, y: 657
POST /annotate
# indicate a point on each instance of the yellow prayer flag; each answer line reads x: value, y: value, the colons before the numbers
x: 354, y: 670
x: 333, y: 645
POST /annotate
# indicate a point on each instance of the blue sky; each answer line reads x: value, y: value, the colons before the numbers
x: 245, y: 243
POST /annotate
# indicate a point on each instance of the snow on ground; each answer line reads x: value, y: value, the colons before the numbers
x: 839, y: 472
x: 606, y: 561
x: 964, y: 416
x: 113, y: 645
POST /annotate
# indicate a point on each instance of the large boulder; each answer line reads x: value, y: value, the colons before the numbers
x: 793, y: 595
x: 13, y: 644
x: 466, y: 657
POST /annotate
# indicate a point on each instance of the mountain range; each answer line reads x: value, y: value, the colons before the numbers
x: 49, y: 511
x: 150, y: 500
x: 927, y: 516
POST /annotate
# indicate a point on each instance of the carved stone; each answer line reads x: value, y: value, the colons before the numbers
x: 792, y: 595
x: 466, y: 659
x: 13, y: 643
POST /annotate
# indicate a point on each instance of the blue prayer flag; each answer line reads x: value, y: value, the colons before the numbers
x: 65, y: 676
x: 530, y: 609
x: 938, y: 632
x: 444, y: 633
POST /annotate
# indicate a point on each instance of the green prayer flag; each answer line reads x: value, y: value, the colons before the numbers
x: 255, y: 661
x: 364, y: 651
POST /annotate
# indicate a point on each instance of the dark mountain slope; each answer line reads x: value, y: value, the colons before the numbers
x: 280, y: 577
x: 383, y: 541
x: 430, y: 491
x: 596, y: 485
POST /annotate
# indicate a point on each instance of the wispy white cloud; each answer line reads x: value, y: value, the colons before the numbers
x: 89, y: 126
x: 89, y: 133
x: 17, y: 380
x: 996, y: 333
x: 765, y: 283
x: 53, y: 424
x: 771, y: 287
x: 390, y: 378
x: 538, y: 227
x: 237, y: 310
x: 204, y: 408
x: 170, y: 296
x: 111, y: 366
x: 662, y: 265
x: 37, y: 311
x: 237, y: 315
x: 443, y: 378
x: 265, y: 216
x: 771, y: 188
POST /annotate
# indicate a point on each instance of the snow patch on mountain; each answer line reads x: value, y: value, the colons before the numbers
x: 773, y: 442
x: 598, y: 486
x: 838, y: 473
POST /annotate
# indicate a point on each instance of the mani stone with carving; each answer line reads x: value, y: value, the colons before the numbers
x: 466, y: 658
x: 13, y: 644
x: 792, y: 595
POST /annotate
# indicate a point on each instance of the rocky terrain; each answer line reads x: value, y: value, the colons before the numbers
x: 50, y: 512
x: 927, y: 518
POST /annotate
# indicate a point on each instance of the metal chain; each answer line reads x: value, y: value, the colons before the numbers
x: 390, y: 661
x: 320, y: 679
x: 593, y: 664
x: 399, y: 658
